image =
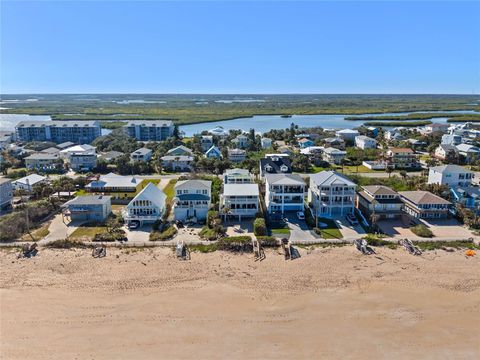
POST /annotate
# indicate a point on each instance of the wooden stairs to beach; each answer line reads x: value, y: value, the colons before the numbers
x: 287, y: 249
x: 258, y: 252
x: 412, y: 249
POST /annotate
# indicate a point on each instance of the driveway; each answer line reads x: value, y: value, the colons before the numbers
x: 140, y: 235
x: 59, y: 230
x: 299, y: 230
x: 348, y: 231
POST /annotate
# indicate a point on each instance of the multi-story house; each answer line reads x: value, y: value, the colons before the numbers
x: 450, y: 175
x: 236, y: 155
x: 43, y: 162
x: 121, y: 188
x: 180, y: 150
x: 177, y: 163
x: 348, y: 135
x: 365, y: 142
x: 148, y: 130
x: 284, y: 192
x: 111, y: 155
x: 402, y: 158
x: 446, y: 152
x: 142, y: 154
x: 6, y: 138
x: 468, y: 197
x: 394, y: 135
x: 241, y: 141
x: 80, y: 132
x: 6, y: 193
x: 240, y: 200
x: 89, y: 208
x: 305, y: 143
x: 333, y: 156
x: 436, y: 128
x: 275, y: 164
x: 80, y: 157
x: 146, y: 207
x: 237, y: 176
x: 424, y: 204
x: 334, y: 142
x: 331, y: 194
x: 206, y: 142
x: 28, y: 182
x: 213, y: 153
x: 266, y: 142
x: 192, y: 200
x: 468, y: 152
x: 451, y: 139
x: 379, y: 202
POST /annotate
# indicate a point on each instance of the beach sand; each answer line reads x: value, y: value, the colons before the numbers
x: 332, y: 303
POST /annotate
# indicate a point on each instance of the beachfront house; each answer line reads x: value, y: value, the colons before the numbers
x: 146, y: 207
x: 378, y: 202
x: 6, y: 193
x: 213, y: 153
x: 331, y: 194
x: 28, y: 182
x: 333, y: 155
x: 192, y: 200
x: 177, y: 163
x: 240, y: 200
x: 424, y: 204
x: 450, y: 175
x: 284, y: 192
x: 365, y: 142
x: 95, y: 208
x: 236, y: 155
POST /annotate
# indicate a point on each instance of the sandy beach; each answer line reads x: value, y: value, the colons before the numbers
x: 332, y: 303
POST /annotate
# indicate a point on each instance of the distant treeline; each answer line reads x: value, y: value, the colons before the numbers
x: 398, y: 123
x: 418, y: 116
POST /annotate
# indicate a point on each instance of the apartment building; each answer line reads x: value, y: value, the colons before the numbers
x: 149, y: 130
x: 79, y: 132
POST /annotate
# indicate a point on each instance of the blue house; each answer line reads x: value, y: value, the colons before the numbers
x: 89, y: 208
x: 213, y: 153
x: 304, y: 143
x: 469, y: 197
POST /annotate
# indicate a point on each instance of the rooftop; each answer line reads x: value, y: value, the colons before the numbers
x: 331, y: 178
x: 58, y: 123
x: 423, y: 197
x: 284, y: 179
x: 450, y: 168
x: 89, y: 200
x: 240, y: 190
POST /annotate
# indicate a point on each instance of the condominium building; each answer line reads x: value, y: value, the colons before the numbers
x: 80, y: 132
x: 149, y: 130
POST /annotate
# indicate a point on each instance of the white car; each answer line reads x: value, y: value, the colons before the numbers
x: 300, y: 215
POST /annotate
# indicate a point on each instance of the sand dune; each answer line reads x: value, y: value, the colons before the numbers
x: 330, y: 303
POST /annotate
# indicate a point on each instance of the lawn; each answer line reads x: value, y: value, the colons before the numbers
x: 81, y: 192
x: 169, y: 190
x: 279, y: 231
x: 117, y: 208
x: 87, y: 232
x: 331, y: 230
x: 37, y: 234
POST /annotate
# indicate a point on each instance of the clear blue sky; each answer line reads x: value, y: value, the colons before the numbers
x: 240, y: 47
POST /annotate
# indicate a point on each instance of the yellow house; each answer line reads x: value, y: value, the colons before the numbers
x: 122, y: 189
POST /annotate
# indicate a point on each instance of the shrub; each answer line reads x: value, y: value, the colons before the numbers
x: 235, y: 243
x: 203, y: 248
x: 166, y: 234
x: 213, y: 233
x: 212, y: 218
x: 65, y: 244
x: 267, y: 241
x: 117, y: 235
x: 434, y: 245
x: 422, y: 231
x: 259, y: 227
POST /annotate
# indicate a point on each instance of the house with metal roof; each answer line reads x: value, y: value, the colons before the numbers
x: 146, y: 207
x: 192, y: 200
x: 424, y: 204
x: 28, y: 182
x: 43, y: 161
x: 333, y: 155
x: 331, y: 194
x: 284, y: 192
x: 468, y: 152
x: 142, y: 154
x: 89, y: 208
x: 237, y: 176
x: 180, y: 150
x: 80, y: 157
x: 240, y: 200
x: 121, y: 188
x: 450, y: 175
x: 177, y: 163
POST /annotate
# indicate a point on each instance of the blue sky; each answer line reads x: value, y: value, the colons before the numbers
x: 240, y: 47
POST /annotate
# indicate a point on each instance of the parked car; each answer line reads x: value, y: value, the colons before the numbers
x: 352, y: 219
x: 133, y: 224
x: 300, y: 215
